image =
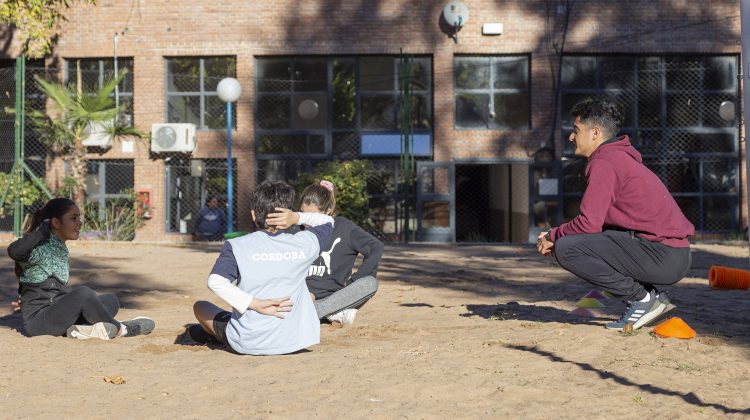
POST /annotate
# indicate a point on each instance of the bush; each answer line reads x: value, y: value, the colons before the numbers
x: 30, y: 194
x: 349, y: 180
x: 119, y: 222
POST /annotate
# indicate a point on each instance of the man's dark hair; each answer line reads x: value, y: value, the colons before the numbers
x: 599, y: 112
x: 268, y: 196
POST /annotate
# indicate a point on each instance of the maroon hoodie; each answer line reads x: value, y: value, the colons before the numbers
x: 623, y: 194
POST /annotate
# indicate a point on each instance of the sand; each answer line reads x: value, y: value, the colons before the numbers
x: 454, y: 332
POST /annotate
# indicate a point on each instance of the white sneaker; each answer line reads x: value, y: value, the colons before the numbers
x: 345, y: 317
x: 100, y: 330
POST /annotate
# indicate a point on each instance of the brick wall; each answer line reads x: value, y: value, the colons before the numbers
x: 155, y: 29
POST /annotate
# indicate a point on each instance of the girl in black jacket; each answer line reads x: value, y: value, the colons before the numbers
x: 338, y: 292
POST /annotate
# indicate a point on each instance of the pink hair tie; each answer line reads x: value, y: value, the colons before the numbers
x: 327, y: 185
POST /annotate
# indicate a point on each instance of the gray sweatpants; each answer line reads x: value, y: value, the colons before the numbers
x: 352, y: 296
x: 623, y: 264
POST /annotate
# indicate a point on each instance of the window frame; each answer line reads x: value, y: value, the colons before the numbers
x: 201, y: 94
x: 491, y: 91
x: 102, y: 195
x: 331, y: 131
x: 101, y: 78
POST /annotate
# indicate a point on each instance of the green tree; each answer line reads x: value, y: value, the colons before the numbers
x: 37, y: 21
x: 74, y: 114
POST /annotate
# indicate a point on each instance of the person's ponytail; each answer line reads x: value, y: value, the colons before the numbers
x: 55, y: 208
x: 320, y: 195
x: 36, y: 219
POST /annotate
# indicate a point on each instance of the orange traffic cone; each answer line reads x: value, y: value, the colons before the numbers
x: 674, y: 327
x: 728, y: 278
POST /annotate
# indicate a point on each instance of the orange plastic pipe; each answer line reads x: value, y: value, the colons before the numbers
x: 728, y: 278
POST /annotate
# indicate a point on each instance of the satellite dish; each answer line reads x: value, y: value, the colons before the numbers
x: 308, y: 109
x: 456, y: 14
x: 726, y: 111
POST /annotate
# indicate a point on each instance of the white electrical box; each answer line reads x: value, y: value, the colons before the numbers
x: 492, y: 29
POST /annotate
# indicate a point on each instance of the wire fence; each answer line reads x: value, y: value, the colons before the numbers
x: 19, y: 183
x: 106, y: 186
x: 681, y: 114
x: 341, y: 118
x: 314, y: 116
x: 7, y: 136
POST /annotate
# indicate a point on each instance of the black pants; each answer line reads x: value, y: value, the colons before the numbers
x: 623, y: 264
x: 221, y: 321
x: 80, y: 305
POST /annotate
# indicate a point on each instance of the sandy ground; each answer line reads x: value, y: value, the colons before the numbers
x: 465, y: 331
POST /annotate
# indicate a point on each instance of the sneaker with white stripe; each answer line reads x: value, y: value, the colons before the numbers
x: 665, y: 300
x: 639, y: 314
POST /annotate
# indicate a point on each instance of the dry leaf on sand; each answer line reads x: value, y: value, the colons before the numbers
x: 117, y: 380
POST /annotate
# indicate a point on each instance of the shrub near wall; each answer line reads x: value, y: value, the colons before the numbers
x: 349, y: 180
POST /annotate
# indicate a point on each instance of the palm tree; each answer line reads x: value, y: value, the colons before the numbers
x: 74, y: 114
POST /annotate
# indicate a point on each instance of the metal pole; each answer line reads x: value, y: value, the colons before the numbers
x: 230, y: 197
x: 18, y: 178
x: 117, y: 86
x: 745, y: 69
x: 407, y: 136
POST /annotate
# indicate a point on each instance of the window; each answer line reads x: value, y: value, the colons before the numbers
x: 672, y: 108
x: 95, y: 72
x: 310, y: 110
x: 109, y: 182
x: 338, y: 107
x: 191, y: 91
x: 492, y: 92
x: 191, y: 184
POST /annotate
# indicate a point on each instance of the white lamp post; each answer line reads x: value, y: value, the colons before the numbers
x: 229, y: 91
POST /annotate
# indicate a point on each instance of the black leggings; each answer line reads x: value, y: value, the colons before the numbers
x: 80, y: 305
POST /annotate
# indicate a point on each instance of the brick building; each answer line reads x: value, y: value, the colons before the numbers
x: 487, y: 114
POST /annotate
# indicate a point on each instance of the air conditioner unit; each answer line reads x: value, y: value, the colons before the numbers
x: 97, y: 134
x: 172, y: 137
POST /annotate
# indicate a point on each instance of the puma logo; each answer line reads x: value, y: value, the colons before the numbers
x: 319, y: 270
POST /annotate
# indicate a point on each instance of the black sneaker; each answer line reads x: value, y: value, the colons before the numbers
x: 139, y: 326
x: 199, y: 335
x: 639, y: 314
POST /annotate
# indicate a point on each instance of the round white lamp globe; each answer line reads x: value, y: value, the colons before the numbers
x: 726, y: 110
x: 229, y: 89
x: 308, y: 109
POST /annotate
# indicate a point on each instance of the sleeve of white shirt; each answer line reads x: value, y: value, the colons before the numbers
x: 229, y: 293
x: 220, y: 281
x: 314, y: 219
